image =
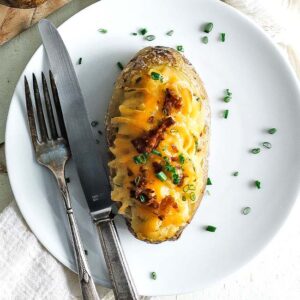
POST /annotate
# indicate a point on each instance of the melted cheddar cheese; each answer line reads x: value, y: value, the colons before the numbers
x: 183, y: 147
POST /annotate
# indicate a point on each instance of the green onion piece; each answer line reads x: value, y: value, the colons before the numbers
x: 180, y: 48
x: 155, y: 76
x: 209, y: 181
x: 246, y: 210
x: 189, y: 187
x: 94, y: 123
x: 257, y: 184
x: 156, y: 152
x: 227, y: 99
x: 137, y: 180
x: 267, y: 145
x: 208, y: 27
x: 80, y: 60
x: 170, y: 32
x: 208, y: 192
x: 205, y: 40
x: 86, y: 252
x: 102, y: 30
x: 150, y: 37
x: 226, y: 113
x: 142, y: 31
x: 67, y: 180
x: 161, y: 176
x: 236, y: 174
x: 119, y: 64
x: 181, y: 159
x: 255, y: 150
x: 133, y: 33
x: 140, y: 159
x: 142, y: 198
x: 228, y: 93
x: 175, y: 178
x: 222, y: 37
x: 211, y: 228
x: 193, y: 196
x: 183, y: 198
x: 153, y: 275
x: 272, y: 130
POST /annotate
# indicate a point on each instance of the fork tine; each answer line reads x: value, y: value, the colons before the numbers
x: 39, y: 109
x: 49, y: 108
x: 58, y: 107
x: 30, y: 114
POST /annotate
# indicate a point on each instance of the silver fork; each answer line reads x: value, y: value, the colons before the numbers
x: 52, y: 151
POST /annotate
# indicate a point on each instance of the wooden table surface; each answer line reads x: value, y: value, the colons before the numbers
x: 273, y: 275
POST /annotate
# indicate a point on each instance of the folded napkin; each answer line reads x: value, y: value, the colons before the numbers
x: 28, y: 270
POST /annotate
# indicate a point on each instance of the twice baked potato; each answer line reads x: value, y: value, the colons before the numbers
x: 158, y: 130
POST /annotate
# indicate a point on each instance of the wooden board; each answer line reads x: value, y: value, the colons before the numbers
x: 13, y: 20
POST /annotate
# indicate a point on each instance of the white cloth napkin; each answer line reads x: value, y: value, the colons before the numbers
x: 28, y: 270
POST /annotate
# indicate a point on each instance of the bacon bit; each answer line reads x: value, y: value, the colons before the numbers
x: 181, y: 180
x: 174, y: 148
x: 167, y: 203
x: 161, y: 217
x: 129, y: 172
x: 151, y: 140
x: 174, y: 158
x: 171, y: 100
x: 151, y: 119
x: 157, y: 167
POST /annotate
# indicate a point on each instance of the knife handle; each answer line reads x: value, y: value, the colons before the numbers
x: 87, y: 285
x: 123, y: 285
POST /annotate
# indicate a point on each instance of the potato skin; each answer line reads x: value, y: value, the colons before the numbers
x: 144, y: 60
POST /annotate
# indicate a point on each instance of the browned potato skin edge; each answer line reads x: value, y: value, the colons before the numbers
x: 140, y: 63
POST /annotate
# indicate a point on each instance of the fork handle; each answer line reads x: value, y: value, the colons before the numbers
x: 87, y: 285
x: 123, y: 285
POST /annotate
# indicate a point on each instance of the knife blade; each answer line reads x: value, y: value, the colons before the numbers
x: 90, y: 167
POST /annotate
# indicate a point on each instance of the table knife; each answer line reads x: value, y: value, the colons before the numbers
x: 89, y: 163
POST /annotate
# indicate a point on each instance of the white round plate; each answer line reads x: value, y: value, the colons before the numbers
x: 265, y: 94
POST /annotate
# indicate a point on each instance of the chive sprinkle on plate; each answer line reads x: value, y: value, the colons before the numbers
x: 222, y: 37
x: 143, y: 31
x: 208, y: 27
x: 102, y: 30
x: 246, y: 210
x: 236, y: 173
x: 180, y: 48
x: 205, y: 40
x: 170, y: 32
x: 153, y: 275
x: 79, y: 60
x: 211, y: 228
x: 267, y: 145
x: 255, y: 150
x: 209, y: 181
x: 94, y: 123
x: 119, y: 64
x: 272, y: 130
x: 226, y: 113
x: 150, y: 37
x: 257, y: 184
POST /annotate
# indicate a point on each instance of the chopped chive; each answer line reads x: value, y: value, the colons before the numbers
x: 143, y: 31
x: 227, y: 99
x: 133, y: 33
x: 100, y: 132
x: 208, y: 27
x: 211, y: 228
x: 153, y: 275
x: 205, y: 40
x: 86, y: 252
x: 208, y: 181
x: 258, y: 184
x: 161, y: 176
x: 150, y: 37
x: 102, y: 30
x: 236, y: 174
x: 189, y: 187
x: 137, y: 180
x: 272, y: 130
x: 180, y: 48
x: 267, y: 145
x: 181, y: 158
x: 142, y: 198
x: 226, y: 113
x: 208, y: 192
x: 175, y: 178
x: 155, y: 76
x: 140, y: 159
x: 228, y: 93
x: 156, y: 152
x: 94, y: 123
x: 119, y: 64
x: 79, y: 60
x: 67, y: 180
x: 222, y: 37
x: 255, y: 150
x: 193, y: 196
x: 246, y: 210
x: 170, y: 32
